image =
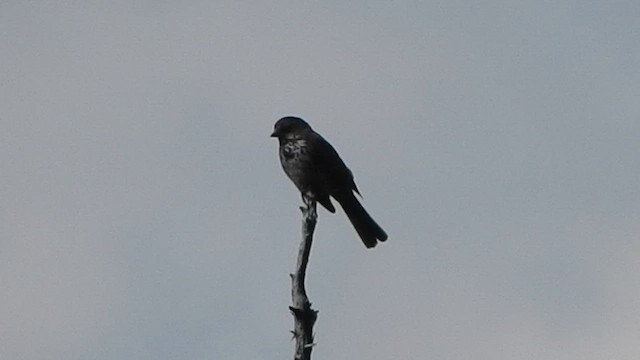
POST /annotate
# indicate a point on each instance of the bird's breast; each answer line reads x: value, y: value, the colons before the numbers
x: 294, y: 149
x: 296, y: 162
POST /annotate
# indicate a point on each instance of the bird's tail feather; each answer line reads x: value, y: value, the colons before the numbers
x: 370, y: 232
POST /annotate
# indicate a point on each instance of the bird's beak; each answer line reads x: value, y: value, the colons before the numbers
x: 273, y: 134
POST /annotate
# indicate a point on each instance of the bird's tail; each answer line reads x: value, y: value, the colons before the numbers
x: 370, y: 232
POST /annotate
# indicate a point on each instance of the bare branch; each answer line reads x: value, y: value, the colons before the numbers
x: 304, y: 316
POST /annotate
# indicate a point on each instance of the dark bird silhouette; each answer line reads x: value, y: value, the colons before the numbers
x: 317, y: 170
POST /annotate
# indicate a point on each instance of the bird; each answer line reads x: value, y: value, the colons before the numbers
x: 317, y: 170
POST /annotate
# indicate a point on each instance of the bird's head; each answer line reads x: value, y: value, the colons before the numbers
x: 289, y: 126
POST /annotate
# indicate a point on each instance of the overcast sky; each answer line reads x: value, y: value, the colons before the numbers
x: 144, y: 213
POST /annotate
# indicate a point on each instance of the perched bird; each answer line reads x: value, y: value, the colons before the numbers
x: 317, y: 170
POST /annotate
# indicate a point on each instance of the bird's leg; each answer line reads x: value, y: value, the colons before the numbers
x: 308, y: 200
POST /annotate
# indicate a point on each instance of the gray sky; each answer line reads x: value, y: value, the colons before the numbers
x: 145, y: 215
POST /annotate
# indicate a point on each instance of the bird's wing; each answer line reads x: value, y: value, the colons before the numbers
x: 338, y: 176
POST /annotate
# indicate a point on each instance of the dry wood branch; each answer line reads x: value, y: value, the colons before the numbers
x: 304, y: 316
